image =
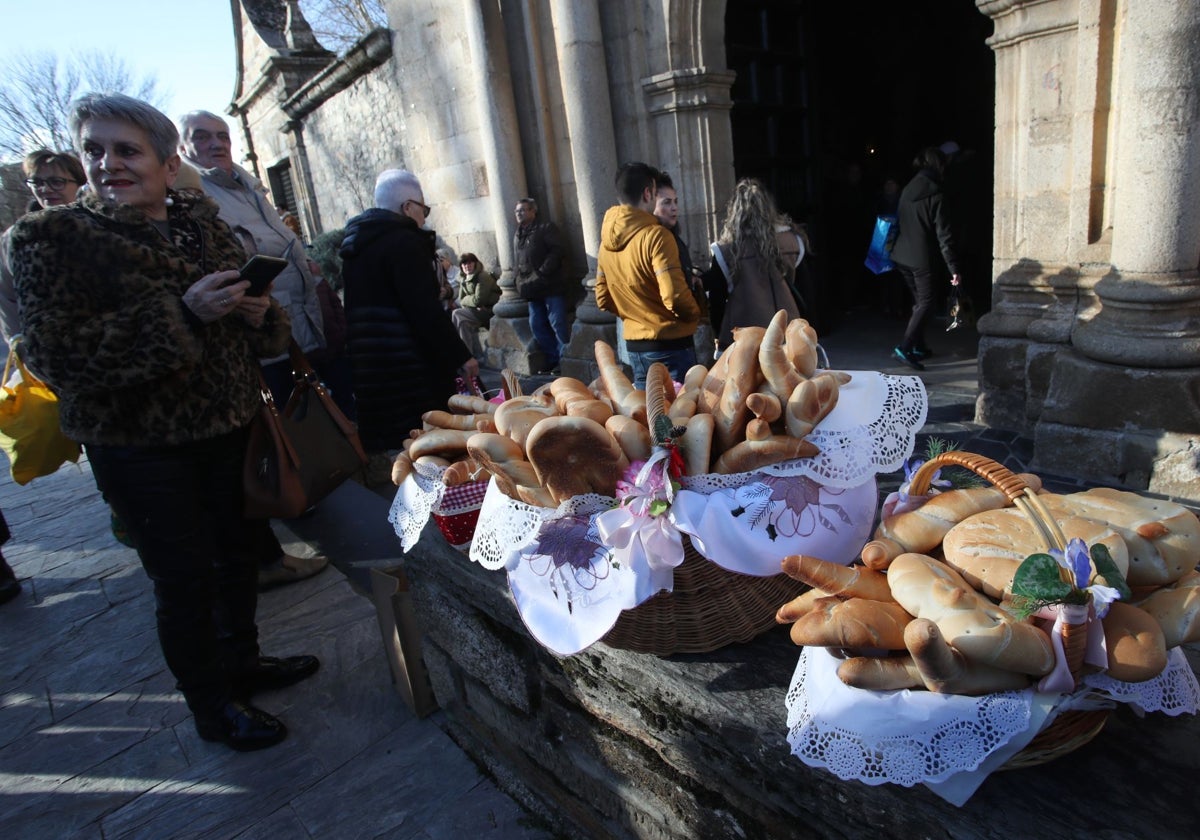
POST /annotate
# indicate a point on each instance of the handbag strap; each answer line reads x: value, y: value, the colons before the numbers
x: 276, y: 420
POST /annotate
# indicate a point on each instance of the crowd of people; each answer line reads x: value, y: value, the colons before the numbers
x: 125, y: 292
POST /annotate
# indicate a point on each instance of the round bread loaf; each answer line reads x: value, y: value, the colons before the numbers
x: 1176, y: 608
x: 988, y: 547
x: 1136, y: 648
x: 574, y: 456
x: 1163, y: 537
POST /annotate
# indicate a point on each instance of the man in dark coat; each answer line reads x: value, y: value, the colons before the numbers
x: 537, y: 248
x: 403, y: 349
x: 924, y: 231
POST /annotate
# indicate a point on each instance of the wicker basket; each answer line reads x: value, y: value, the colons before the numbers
x: 1072, y: 729
x: 708, y: 608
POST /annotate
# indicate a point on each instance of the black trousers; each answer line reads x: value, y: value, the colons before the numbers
x: 183, y: 507
x: 920, y: 283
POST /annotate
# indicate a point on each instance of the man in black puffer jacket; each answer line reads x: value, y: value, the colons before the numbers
x: 403, y: 349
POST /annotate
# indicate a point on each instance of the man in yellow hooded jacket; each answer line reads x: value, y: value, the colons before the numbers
x: 639, y: 278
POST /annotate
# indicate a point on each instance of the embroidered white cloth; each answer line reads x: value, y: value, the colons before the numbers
x: 946, y: 742
x: 572, y: 570
x: 416, y: 497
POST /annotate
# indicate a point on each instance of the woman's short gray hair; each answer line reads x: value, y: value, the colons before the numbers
x: 393, y: 187
x: 164, y: 137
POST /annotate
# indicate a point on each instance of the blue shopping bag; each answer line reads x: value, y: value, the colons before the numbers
x: 879, y: 254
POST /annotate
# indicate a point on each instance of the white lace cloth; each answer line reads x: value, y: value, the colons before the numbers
x: 947, y: 742
x: 416, y: 498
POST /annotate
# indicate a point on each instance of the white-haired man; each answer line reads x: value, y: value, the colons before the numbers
x: 403, y: 349
x: 204, y: 142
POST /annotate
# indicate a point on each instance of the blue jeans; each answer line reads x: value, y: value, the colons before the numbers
x: 548, y: 320
x: 677, y: 361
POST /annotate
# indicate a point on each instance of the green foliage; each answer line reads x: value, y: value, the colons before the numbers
x: 1108, y: 572
x: 957, y: 476
x: 1038, y: 583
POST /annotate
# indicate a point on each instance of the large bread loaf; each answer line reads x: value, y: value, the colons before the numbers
x: 976, y: 627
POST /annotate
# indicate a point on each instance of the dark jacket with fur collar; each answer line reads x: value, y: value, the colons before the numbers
x: 100, y: 291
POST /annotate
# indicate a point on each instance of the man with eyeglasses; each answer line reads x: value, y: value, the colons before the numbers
x: 403, y: 349
x: 54, y: 178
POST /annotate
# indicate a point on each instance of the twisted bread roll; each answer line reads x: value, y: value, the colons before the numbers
x: 880, y: 673
x: 1176, y: 608
x: 505, y: 460
x: 839, y: 580
x: 979, y: 629
x: 744, y: 379
x: 631, y: 436
x: 781, y: 375
x: 764, y: 406
x: 800, y: 344
x: 1137, y: 650
x: 946, y: 671
x: 516, y: 418
x: 810, y: 403
x: 856, y: 623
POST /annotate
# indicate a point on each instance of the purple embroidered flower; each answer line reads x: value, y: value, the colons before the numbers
x: 1076, y: 561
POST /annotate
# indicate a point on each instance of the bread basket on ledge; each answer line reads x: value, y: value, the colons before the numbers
x: 1073, y: 728
x: 708, y: 608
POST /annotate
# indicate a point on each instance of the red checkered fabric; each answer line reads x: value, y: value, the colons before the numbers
x: 458, y: 513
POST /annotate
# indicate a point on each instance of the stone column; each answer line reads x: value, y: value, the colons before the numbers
x: 305, y: 193
x: 1124, y: 401
x: 510, y: 340
x: 689, y: 109
x: 584, y: 73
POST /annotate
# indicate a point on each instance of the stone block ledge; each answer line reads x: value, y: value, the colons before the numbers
x: 610, y: 743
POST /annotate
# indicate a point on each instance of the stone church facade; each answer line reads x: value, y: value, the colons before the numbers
x: 1092, y: 346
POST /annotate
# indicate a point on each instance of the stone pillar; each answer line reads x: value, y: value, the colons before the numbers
x: 305, y: 193
x: 1124, y: 403
x: 689, y: 109
x: 584, y: 73
x: 510, y: 341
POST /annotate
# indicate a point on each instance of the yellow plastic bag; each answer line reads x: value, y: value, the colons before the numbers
x: 29, y: 430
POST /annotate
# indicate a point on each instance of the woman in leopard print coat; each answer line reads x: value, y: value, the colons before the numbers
x: 134, y: 314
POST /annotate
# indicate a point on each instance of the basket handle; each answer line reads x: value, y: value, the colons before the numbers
x: 1004, y: 479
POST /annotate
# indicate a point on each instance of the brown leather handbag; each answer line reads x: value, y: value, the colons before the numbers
x: 295, y: 459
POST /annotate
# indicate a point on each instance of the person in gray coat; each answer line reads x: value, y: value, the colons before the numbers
x: 206, y: 145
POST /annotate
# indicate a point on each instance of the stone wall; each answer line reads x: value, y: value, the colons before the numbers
x: 14, y: 195
x: 614, y: 744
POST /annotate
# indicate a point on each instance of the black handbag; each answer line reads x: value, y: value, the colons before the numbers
x: 295, y: 459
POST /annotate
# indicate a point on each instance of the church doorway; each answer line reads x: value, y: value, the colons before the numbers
x: 831, y: 103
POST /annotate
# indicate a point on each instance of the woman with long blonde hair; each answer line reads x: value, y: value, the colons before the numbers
x: 758, y: 251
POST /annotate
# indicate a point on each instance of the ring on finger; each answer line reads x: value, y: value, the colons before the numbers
x: 225, y: 301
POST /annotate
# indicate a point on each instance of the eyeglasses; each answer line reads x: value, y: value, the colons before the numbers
x: 52, y: 183
x: 425, y: 208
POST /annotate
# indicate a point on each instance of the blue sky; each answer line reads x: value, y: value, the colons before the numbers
x: 188, y: 46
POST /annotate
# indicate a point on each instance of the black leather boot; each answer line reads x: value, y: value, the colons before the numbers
x: 273, y: 673
x: 242, y: 727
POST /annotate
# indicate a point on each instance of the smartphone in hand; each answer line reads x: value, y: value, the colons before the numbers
x: 260, y: 271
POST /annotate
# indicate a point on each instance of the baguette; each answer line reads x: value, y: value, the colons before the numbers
x: 879, y: 553
x: 470, y: 404
x: 446, y: 420
x: 800, y: 606
x: 616, y: 384
x: 880, y: 673
x: 856, y: 623
x: 440, y: 442
x: 922, y: 530
x: 842, y: 581
x: 946, y: 671
x: 750, y: 455
x: 696, y: 444
x: 980, y: 630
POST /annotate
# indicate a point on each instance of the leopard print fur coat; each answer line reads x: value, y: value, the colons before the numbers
x: 100, y: 293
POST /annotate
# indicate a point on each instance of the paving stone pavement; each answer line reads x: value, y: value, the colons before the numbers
x: 95, y: 742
